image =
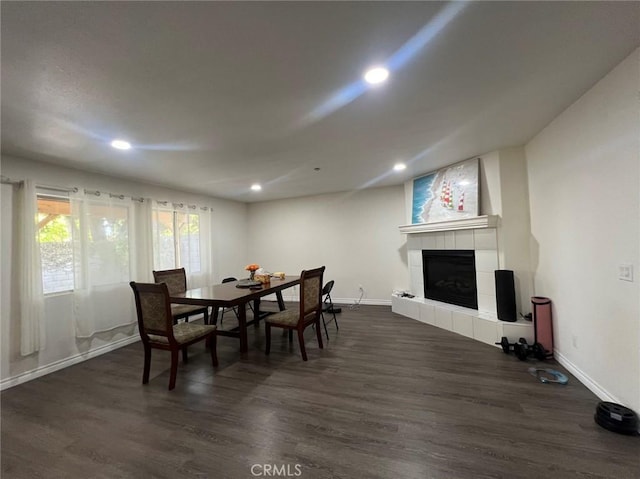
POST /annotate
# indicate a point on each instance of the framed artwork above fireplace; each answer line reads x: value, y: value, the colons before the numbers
x: 448, y: 194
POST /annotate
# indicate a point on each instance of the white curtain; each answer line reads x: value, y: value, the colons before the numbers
x: 30, y: 272
x: 104, y: 251
x: 164, y: 244
x: 204, y: 276
x: 143, y: 253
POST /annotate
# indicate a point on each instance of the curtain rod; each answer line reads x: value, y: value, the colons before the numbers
x: 8, y: 181
x: 113, y: 195
x: 59, y: 188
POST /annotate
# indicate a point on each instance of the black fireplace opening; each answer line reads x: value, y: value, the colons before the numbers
x: 450, y: 276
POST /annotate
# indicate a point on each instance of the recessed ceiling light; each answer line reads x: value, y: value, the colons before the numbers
x: 256, y: 187
x: 377, y: 75
x: 121, y: 144
x: 399, y: 167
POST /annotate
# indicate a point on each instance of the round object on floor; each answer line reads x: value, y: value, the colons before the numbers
x: 617, y: 418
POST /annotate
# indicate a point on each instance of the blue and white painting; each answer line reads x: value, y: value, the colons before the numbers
x: 448, y: 194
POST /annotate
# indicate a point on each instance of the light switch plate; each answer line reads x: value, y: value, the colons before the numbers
x: 625, y: 272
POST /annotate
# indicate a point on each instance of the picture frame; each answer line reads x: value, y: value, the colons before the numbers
x: 448, y: 194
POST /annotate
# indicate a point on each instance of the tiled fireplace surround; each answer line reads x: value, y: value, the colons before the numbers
x: 483, y: 324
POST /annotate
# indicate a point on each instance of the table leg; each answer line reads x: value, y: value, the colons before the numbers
x: 280, y: 300
x: 242, y: 327
x: 256, y: 312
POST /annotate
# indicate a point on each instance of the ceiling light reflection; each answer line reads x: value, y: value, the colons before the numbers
x: 121, y: 144
x: 406, y: 52
x: 377, y: 75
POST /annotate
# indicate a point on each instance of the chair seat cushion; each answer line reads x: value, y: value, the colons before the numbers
x: 182, y: 309
x: 288, y: 317
x: 185, y: 332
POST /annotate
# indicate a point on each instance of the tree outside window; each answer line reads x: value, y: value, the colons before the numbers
x: 56, y: 247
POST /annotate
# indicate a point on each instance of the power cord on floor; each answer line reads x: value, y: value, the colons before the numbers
x: 356, y: 305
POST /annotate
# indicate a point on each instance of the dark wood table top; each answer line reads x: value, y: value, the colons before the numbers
x: 227, y: 294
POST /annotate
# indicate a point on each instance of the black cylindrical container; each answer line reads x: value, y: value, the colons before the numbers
x: 506, y: 295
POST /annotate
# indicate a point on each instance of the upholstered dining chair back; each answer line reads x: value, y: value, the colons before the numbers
x: 311, y: 292
x: 176, y: 279
x: 154, y: 310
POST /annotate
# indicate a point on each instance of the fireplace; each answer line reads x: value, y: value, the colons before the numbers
x: 450, y: 277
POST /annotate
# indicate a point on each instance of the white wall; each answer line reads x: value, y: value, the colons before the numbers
x: 584, y: 184
x: 355, y: 235
x: 514, y: 229
x: 229, y: 249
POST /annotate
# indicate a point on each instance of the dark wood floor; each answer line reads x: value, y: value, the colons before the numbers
x: 388, y: 398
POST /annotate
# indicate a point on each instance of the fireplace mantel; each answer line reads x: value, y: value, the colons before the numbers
x: 477, y: 222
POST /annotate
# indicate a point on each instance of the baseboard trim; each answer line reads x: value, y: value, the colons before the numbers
x: 65, y: 363
x: 584, y: 378
x: 372, y: 302
x: 346, y: 302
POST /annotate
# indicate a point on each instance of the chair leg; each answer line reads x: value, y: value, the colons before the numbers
x: 290, y: 335
x: 174, y: 369
x: 267, y: 334
x: 318, y: 333
x: 147, y: 364
x: 333, y: 311
x: 212, y: 343
x: 325, y: 326
x: 185, y: 356
x: 303, y: 351
x: 206, y: 316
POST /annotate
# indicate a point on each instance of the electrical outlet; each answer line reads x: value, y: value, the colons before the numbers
x: 625, y: 272
x: 360, y: 288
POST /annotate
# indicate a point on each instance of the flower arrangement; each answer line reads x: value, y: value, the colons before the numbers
x: 251, y: 268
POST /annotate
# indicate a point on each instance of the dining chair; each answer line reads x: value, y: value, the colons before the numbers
x: 176, y: 280
x: 327, y: 306
x: 234, y: 309
x: 157, y: 329
x: 306, y: 315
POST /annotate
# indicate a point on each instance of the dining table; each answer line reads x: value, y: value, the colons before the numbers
x: 231, y: 295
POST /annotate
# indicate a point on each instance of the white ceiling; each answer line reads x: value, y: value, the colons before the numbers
x: 216, y: 96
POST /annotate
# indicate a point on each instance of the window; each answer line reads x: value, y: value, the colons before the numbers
x: 105, y: 240
x: 56, y: 247
x: 176, y: 240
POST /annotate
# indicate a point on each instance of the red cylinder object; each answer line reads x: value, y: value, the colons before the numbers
x: 542, y: 324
